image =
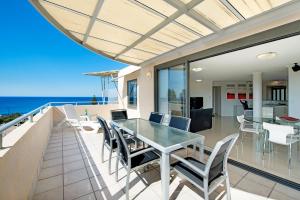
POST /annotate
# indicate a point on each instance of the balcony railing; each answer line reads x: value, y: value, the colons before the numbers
x: 29, y: 116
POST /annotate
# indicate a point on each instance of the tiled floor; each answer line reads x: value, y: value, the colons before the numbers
x: 72, y: 169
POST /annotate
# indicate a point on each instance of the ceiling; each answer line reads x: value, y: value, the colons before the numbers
x: 136, y: 31
x: 239, y: 65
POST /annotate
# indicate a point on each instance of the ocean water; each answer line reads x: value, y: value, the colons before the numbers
x: 23, y: 105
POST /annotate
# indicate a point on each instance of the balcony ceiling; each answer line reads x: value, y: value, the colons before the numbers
x: 136, y: 31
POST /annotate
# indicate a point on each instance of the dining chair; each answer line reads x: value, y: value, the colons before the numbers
x: 119, y: 114
x: 182, y: 123
x: 207, y: 176
x: 109, y: 141
x: 131, y: 160
x: 246, y: 126
x: 281, y: 134
x: 156, y: 117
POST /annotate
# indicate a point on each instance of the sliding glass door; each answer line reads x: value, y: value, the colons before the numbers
x: 172, y: 90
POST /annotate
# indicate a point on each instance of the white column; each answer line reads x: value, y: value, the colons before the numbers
x: 257, y: 94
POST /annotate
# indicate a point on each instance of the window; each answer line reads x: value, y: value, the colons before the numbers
x: 132, y: 92
x: 279, y: 93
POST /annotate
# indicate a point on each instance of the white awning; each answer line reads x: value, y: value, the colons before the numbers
x: 135, y: 31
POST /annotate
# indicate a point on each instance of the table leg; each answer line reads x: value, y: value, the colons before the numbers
x: 165, y: 175
x: 201, y: 150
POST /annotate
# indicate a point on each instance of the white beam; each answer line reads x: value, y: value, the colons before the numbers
x: 92, y: 20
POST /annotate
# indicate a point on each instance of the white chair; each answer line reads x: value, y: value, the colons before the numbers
x: 246, y: 126
x: 281, y: 134
x: 82, y: 122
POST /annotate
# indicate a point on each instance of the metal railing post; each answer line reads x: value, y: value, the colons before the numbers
x: 30, y: 118
x: 1, y: 140
x: 41, y: 111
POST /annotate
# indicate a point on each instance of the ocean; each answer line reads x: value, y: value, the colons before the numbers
x: 9, y: 105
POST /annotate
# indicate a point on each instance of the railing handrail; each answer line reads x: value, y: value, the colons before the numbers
x: 21, y: 118
x: 40, y: 109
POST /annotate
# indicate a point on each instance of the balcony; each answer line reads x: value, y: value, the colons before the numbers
x: 47, y: 159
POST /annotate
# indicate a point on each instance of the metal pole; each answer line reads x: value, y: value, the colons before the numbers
x: 1, y: 140
x: 30, y: 118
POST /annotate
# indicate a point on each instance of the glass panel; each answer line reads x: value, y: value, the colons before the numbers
x: 154, y: 46
x: 105, y: 45
x: 132, y: 92
x: 134, y: 53
x: 251, y: 8
x: 69, y: 20
x: 86, y: 6
x: 172, y: 90
x: 160, y: 6
x: 162, y: 136
x: 186, y: 1
x: 216, y: 12
x: 175, y: 35
x: 129, y: 15
x: 194, y: 25
x: 104, y: 31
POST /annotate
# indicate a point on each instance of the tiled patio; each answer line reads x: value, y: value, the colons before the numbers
x: 72, y: 169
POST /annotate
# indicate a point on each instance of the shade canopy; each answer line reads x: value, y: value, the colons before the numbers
x: 112, y: 73
x: 134, y: 31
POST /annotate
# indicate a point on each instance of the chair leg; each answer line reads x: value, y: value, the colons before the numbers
x: 102, y: 153
x: 109, y: 161
x: 117, y: 168
x: 127, y: 183
x: 290, y: 155
x: 228, y: 194
x: 206, y: 195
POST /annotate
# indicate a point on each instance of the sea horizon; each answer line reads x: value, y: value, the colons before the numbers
x: 25, y: 104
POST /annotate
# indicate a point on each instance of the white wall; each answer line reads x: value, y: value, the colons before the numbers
x: 202, y: 89
x: 294, y: 93
x: 228, y: 106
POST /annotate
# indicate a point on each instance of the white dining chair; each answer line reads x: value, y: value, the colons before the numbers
x: 282, y: 135
x: 246, y: 126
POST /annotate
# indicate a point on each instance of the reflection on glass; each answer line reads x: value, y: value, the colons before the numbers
x: 172, y: 90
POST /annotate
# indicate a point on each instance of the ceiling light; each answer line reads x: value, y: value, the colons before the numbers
x: 267, y: 56
x: 197, y: 69
x: 198, y: 80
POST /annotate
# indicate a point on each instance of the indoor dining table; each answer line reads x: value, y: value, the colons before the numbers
x: 163, y: 138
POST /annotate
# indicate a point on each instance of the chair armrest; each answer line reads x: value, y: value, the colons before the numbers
x: 72, y: 120
x: 84, y: 117
x: 141, y: 152
x: 202, y: 173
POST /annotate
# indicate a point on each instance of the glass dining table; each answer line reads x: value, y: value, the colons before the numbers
x: 163, y: 138
x: 260, y: 120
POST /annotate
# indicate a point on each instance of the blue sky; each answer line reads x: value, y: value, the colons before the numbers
x: 36, y: 59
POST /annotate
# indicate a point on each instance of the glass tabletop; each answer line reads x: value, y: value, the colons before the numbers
x: 295, y: 124
x: 157, y: 135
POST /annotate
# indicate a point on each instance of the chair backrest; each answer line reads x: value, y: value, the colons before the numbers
x: 217, y: 161
x: 70, y: 112
x: 278, y: 133
x: 123, y: 150
x: 156, y: 117
x: 240, y: 119
x: 119, y: 114
x: 182, y: 123
x: 106, y: 131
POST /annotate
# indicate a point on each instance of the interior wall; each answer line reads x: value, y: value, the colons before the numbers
x: 230, y: 107
x: 294, y: 94
x: 202, y: 89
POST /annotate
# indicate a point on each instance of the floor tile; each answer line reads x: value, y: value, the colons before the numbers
x: 72, y: 158
x: 77, y: 189
x: 75, y: 176
x: 56, y: 194
x: 49, y: 156
x: 48, y: 184
x: 51, y: 171
x: 90, y: 196
x: 68, y: 167
x: 71, y: 152
x: 110, y: 193
x: 52, y: 162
